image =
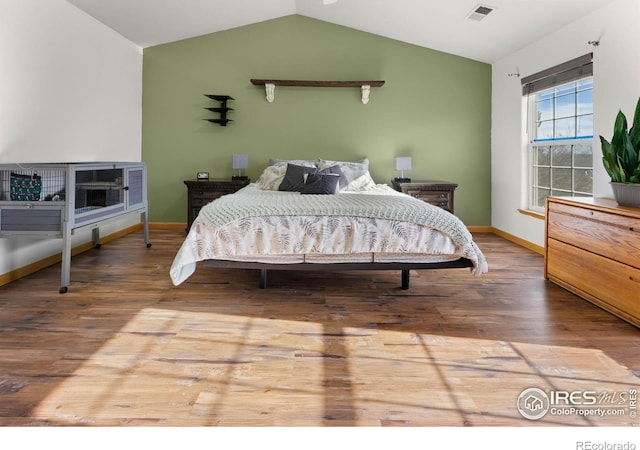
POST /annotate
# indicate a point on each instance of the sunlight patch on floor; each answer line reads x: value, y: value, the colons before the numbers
x: 186, y: 368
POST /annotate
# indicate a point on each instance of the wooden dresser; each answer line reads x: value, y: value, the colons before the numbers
x: 201, y: 192
x: 435, y: 192
x: 593, y: 250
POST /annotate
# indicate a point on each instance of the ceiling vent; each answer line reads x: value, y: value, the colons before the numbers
x: 479, y: 12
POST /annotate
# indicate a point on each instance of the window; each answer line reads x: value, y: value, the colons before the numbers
x: 560, y: 132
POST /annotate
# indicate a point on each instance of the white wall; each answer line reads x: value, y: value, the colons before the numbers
x: 71, y: 88
x: 70, y: 91
x: 616, y: 67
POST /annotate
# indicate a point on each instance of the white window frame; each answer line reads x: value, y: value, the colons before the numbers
x: 532, y: 201
x: 555, y: 191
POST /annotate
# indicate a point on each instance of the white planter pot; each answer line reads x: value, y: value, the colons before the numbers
x: 626, y: 194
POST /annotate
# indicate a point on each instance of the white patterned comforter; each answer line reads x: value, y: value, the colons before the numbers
x: 377, y: 225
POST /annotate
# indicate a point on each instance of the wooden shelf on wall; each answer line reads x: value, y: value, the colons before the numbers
x: 364, y: 85
x: 314, y: 83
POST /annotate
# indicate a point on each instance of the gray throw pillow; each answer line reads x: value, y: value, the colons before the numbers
x: 294, y: 177
x: 321, y: 183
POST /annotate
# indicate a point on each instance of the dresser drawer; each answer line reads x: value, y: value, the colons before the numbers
x: 201, y: 201
x: 434, y: 192
x: 431, y: 196
x: 202, y: 198
x: 622, y: 221
x: 609, y: 284
x: 210, y: 195
x: 615, y: 236
x: 443, y: 203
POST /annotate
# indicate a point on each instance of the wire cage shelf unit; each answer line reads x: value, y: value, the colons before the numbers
x: 54, y: 200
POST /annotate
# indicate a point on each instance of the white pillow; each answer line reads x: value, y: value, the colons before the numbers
x: 362, y: 183
x: 356, y: 172
x: 297, y: 162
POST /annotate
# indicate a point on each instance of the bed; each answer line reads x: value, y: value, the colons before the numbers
x: 324, y: 215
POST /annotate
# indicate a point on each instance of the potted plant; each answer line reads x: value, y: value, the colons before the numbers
x: 621, y: 159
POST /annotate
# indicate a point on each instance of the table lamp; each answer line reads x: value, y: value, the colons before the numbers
x: 403, y: 169
x: 239, y: 163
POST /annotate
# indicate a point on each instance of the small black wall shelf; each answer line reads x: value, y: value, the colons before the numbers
x: 222, y: 109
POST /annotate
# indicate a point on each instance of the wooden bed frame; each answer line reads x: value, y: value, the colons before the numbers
x: 332, y: 267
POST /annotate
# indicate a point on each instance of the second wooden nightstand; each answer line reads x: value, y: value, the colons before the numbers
x: 435, y: 192
x: 201, y: 192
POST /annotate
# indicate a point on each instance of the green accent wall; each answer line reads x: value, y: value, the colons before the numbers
x: 434, y: 107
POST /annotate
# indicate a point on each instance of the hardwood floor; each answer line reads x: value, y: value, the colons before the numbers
x: 124, y: 347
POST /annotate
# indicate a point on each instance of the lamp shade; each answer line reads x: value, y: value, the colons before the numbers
x: 240, y: 161
x: 403, y: 163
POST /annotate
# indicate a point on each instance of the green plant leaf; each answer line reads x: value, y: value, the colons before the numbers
x: 619, y: 131
x: 621, y: 156
x: 629, y: 155
x: 609, y: 159
x: 635, y: 178
x: 634, y: 132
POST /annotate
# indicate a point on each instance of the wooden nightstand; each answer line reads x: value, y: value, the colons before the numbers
x: 201, y: 192
x: 435, y: 192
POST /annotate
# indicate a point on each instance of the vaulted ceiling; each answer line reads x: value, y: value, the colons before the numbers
x: 442, y: 25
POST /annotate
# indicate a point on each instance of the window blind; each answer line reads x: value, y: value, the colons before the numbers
x: 575, y: 69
